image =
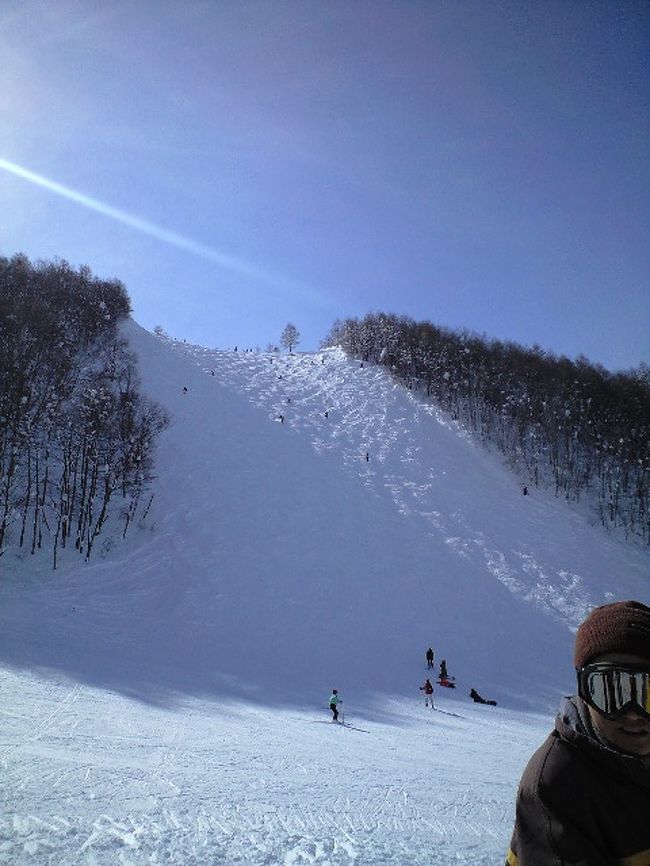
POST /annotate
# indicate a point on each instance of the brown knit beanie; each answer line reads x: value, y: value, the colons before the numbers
x: 621, y: 627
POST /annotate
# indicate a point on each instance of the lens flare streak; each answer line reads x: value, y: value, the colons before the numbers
x: 223, y: 260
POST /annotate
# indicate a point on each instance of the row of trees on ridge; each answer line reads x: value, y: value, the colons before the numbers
x: 569, y: 425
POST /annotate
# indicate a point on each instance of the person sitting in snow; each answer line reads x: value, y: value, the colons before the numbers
x: 474, y: 695
x: 334, y: 701
x: 427, y: 688
x: 443, y: 677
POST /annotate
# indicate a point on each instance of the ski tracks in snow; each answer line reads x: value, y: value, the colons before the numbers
x: 355, y: 829
x: 429, y: 467
x: 206, y: 784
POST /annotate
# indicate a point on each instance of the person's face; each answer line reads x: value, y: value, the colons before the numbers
x: 629, y: 732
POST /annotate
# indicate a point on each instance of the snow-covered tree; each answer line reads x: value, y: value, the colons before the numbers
x: 73, y: 427
x: 290, y: 337
x: 569, y: 425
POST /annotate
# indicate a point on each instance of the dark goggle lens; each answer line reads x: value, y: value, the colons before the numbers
x: 613, y: 691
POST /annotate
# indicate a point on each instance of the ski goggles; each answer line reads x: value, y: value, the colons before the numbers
x: 612, y: 689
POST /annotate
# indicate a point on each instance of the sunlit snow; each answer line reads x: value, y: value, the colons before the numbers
x: 313, y: 525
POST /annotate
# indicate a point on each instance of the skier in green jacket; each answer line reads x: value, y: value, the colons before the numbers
x: 334, y: 701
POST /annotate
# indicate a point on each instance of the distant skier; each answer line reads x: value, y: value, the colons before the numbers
x: 335, y: 700
x: 474, y: 695
x: 429, y: 655
x: 443, y: 675
x: 525, y: 490
x: 427, y: 688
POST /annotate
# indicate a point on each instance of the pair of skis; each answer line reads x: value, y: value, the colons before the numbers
x: 352, y: 727
x: 341, y: 721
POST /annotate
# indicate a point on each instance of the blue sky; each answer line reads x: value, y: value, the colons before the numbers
x: 238, y: 165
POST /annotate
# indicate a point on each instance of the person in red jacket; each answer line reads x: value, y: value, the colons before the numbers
x: 584, y: 798
x: 427, y: 688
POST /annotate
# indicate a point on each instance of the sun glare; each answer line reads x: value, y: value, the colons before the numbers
x: 223, y: 260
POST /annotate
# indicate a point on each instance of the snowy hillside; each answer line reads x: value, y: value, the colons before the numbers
x: 275, y: 563
x: 278, y: 559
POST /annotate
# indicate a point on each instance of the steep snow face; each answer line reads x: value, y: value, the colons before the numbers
x: 315, y: 525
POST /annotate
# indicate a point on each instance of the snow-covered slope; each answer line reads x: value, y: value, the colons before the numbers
x: 277, y: 560
x: 166, y: 703
x: 90, y: 778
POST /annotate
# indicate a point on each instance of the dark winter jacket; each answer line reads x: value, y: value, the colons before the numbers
x: 581, y: 803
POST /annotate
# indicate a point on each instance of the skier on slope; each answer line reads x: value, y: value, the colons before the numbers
x: 427, y: 688
x: 334, y: 701
x: 429, y: 658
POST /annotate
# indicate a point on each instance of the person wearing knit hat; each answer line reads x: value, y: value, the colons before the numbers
x: 621, y: 627
x: 584, y: 797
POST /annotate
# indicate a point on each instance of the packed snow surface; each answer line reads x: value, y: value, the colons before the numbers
x: 93, y: 777
x: 314, y: 525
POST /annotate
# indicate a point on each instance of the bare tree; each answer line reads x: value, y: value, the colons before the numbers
x: 290, y: 337
x: 571, y: 426
x: 73, y: 427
